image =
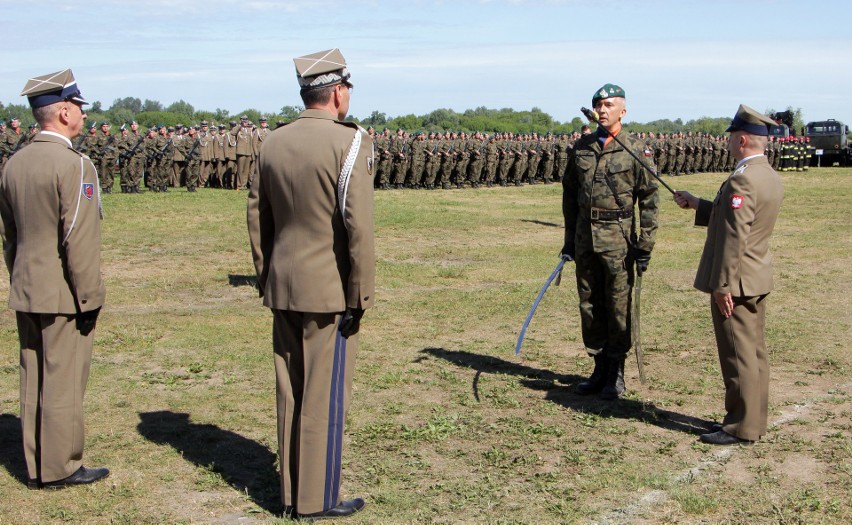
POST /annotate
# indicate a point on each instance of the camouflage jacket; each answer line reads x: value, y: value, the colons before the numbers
x: 586, y: 193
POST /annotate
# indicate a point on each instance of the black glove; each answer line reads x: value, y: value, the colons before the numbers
x: 642, y: 258
x: 568, y: 251
x: 351, y: 322
x: 86, y: 321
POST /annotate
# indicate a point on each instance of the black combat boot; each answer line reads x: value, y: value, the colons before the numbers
x: 596, y: 381
x: 614, y: 386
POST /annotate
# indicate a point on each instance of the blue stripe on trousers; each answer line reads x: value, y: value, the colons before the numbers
x: 335, y: 424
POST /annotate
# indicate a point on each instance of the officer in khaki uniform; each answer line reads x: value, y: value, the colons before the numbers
x: 50, y: 208
x: 736, y: 269
x: 242, y: 135
x: 310, y: 223
x: 610, y: 205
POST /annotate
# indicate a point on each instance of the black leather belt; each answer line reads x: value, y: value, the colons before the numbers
x: 601, y: 214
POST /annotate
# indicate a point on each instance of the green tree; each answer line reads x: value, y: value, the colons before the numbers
x: 376, y: 119
x: 182, y: 107
x: 291, y: 112
x: 206, y: 115
x: 221, y: 115
x: 134, y: 105
x: 119, y: 115
x: 157, y: 118
x: 408, y: 122
x: 151, y: 105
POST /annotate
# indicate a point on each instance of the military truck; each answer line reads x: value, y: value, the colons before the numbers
x: 829, y: 142
x: 779, y: 131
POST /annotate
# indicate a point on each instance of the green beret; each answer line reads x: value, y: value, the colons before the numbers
x: 607, y: 91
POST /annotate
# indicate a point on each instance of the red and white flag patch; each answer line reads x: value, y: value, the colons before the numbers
x: 736, y: 201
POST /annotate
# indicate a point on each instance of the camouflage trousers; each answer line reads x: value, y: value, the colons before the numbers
x: 193, y: 173
x: 547, y: 168
x: 604, y: 285
x: 106, y: 171
x: 132, y: 174
x: 431, y: 170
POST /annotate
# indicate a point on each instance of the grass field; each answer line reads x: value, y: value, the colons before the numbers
x: 447, y: 425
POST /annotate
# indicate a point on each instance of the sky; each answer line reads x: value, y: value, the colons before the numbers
x: 675, y: 59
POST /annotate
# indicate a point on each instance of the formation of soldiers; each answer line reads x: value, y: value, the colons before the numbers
x: 169, y: 157
x: 453, y: 159
x: 223, y: 156
x: 456, y: 159
x: 13, y: 138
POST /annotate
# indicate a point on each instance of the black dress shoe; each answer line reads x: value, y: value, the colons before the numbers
x: 720, y: 437
x: 716, y: 427
x: 347, y: 508
x: 83, y: 476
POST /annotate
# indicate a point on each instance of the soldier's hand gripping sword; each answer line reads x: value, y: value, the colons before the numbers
x: 593, y: 117
x: 557, y: 272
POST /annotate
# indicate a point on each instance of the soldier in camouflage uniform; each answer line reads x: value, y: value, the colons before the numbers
x: 602, y: 186
x: 433, y: 162
x: 13, y: 139
x: 507, y: 158
x: 534, y: 158
x: 546, y: 165
x: 679, y: 153
x: 660, y: 153
x: 492, y: 160
x: 385, y: 159
x: 164, y: 151
x: 106, y: 153
x: 519, y: 168
x: 148, y: 148
x: 561, y: 149
x: 133, y: 159
x: 399, y: 149
x: 461, y: 160
x: 191, y: 150
x: 447, y: 152
x: 122, y: 146
x: 477, y: 158
x: 418, y: 160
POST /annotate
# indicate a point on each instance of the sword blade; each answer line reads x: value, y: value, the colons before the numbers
x: 550, y: 279
x: 637, y: 332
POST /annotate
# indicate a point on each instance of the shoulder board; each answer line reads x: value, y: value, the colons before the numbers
x: 350, y: 124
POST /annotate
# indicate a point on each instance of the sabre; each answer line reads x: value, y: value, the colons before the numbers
x: 544, y: 288
x: 637, y: 333
x: 593, y: 117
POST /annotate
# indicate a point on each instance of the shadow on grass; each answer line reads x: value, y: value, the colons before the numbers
x: 560, y: 390
x: 243, y: 463
x: 12, y: 448
x: 242, y: 280
x: 543, y: 223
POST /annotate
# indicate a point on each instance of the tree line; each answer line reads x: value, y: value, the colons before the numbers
x: 153, y: 113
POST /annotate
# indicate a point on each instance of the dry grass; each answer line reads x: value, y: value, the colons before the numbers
x: 447, y: 425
